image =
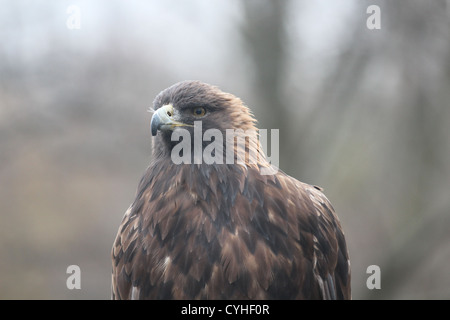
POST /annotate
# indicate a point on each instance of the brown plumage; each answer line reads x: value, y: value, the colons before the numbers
x: 224, y: 231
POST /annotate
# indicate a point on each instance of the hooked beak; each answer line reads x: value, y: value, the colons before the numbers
x: 163, y: 119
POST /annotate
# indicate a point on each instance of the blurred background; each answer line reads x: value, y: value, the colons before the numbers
x: 364, y: 113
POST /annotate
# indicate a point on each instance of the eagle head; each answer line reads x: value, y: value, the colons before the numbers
x: 187, y: 103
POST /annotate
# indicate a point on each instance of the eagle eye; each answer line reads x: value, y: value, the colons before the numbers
x: 199, y: 111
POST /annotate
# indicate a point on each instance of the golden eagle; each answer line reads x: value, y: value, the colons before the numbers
x: 221, y: 230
